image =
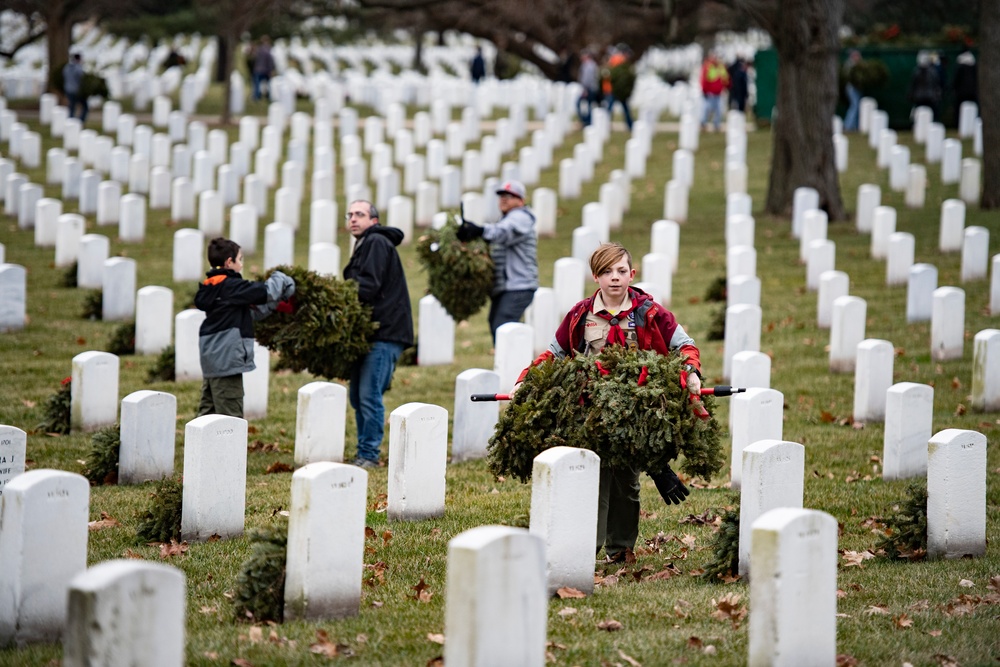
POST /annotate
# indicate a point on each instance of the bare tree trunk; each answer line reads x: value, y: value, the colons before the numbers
x: 228, y: 43
x: 223, y: 58
x: 805, y: 35
x: 989, y: 100
x: 58, y: 34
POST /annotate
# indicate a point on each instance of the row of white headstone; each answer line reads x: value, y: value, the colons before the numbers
x: 498, y: 579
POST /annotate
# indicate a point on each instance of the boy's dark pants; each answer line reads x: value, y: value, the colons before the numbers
x: 222, y: 396
x: 618, y: 510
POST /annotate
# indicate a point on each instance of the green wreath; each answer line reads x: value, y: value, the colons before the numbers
x: 328, y: 330
x: 460, y: 275
x: 596, y: 402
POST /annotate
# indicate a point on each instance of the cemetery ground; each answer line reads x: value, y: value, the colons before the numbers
x: 925, y: 613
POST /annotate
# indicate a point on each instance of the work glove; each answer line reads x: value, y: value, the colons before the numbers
x: 671, y: 489
x: 285, y: 307
x: 468, y: 231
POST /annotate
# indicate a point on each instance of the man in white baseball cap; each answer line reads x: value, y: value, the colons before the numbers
x: 514, y: 249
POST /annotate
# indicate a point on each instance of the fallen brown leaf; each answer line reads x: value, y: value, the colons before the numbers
x: 437, y: 661
x: 965, y: 583
x: 386, y: 536
x: 902, y: 621
x: 277, y: 467
x: 323, y: 645
x: 369, y: 532
x: 855, y: 558
x: 694, y: 642
x: 611, y: 625
x: 682, y: 608
x: 106, y: 521
x: 240, y: 662
x: 173, y: 549
x: 437, y: 638
x: 877, y: 609
x: 567, y: 592
x: 566, y: 611
x: 934, y: 633
x: 132, y: 554
x: 422, y: 594
x: 946, y: 660
x: 844, y: 660
x: 728, y: 609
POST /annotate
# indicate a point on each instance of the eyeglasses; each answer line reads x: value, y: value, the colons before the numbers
x: 355, y: 214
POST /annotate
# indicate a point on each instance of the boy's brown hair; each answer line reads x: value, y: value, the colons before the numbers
x: 220, y: 249
x: 606, y: 256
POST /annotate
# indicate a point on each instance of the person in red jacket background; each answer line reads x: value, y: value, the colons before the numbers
x: 618, y: 314
x: 714, y: 81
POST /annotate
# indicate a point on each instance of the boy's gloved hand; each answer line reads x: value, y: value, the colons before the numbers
x: 671, y: 489
x: 285, y: 307
x: 468, y: 231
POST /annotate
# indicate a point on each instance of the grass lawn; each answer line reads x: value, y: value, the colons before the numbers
x: 664, y: 621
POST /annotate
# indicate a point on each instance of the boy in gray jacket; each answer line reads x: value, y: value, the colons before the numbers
x: 225, y: 340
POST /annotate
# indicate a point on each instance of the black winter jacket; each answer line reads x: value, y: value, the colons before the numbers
x: 376, y: 267
x: 231, y: 305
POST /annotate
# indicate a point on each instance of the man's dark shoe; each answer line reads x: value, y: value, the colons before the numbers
x: 365, y: 463
x: 671, y: 489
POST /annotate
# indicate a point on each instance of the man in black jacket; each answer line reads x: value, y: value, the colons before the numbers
x: 376, y: 267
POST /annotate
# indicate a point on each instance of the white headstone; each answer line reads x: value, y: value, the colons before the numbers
x: 832, y: 285
x: 916, y: 186
x: 986, y: 371
x: 542, y: 316
x: 847, y: 329
x: 909, y: 412
x: 883, y: 226
x: 132, y: 219
x: 279, y: 242
x: 126, y: 612
x: 756, y: 414
x: 814, y: 228
x: 215, y: 477
x: 256, y: 383
x: 820, y: 258
x: 418, y: 453
x: 326, y: 541
x: 109, y: 194
x: 952, y: 225
x: 665, y: 238
x: 187, y: 357
x: 951, y: 161
x: 675, y: 204
x: 514, y: 352
x: 920, y: 292
x: 947, y: 323
x: 956, y: 494
x: 975, y: 253
x: 474, y: 421
x: 154, y: 312
x: 743, y: 324
x: 13, y: 297
x: 118, y: 287
x: 564, y: 496
x: 148, y: 422
x: 804, y: 199
x: 773, y: 477
x: 43, y: 545
x: 94, y: 391
x: 872, y: 378
x: 69, y: 230
x: 899, y: 258
x: 13, y: 447
x: 869, y: 198
x: 321, y: 416
x: 793, y: 591
x: 496, y: 609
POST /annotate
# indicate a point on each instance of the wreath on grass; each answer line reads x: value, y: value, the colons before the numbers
x: 597, y: 402
x: 326, y: 332
x: 460, y: 275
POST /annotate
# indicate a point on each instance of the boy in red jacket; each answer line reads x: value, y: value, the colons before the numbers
x: 618, y: 314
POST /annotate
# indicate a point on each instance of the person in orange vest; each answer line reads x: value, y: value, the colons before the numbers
x: 714, y: 80
x: 620, y: 81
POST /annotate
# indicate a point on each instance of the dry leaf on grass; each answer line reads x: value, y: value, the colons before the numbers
x: 877, y: 609
x: 694, y: 642
x: 277, y: 467
x: 422, y: 593
x: 369, y: 532
x: 173, y: 549
x: 324, y: 646
x: 682, y: 608
x: 965, y: 583
x: 128, y: 553
x: 566, y: 611
x: 856, y: 558
x: 934, y: 633
x: 386, y: 536
x: 435, y: 637
x: 728, y: 608
x: 946, y: 660
x: 994, y: 584
x: 436, y: 661
x: 567, y: 592
x: 106, y: 521
x: 844, y: 660
x: 902, y: 622
x: 611, y: 625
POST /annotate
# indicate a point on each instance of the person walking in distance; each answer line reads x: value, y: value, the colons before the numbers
x: 376, y: 268
x: 714, y: 81
x: 72, y: 75
x: 514, y: 249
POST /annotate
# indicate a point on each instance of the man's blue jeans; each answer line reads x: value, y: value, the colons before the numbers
x: 508, y: 307
x: 713, y: 110
x: 851, y: 117
x: 369, y: 380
